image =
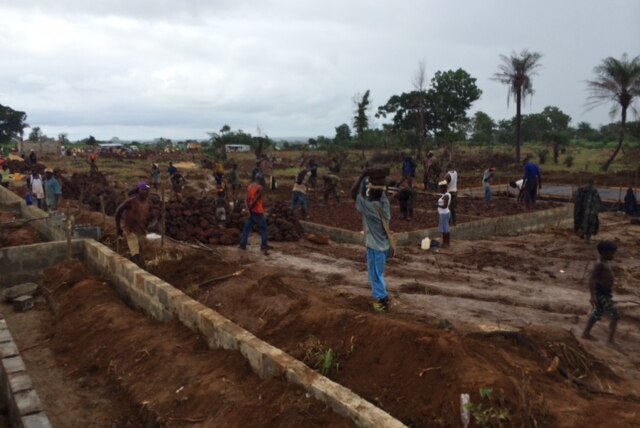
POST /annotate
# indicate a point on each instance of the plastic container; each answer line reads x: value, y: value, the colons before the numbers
x: 425, y: 244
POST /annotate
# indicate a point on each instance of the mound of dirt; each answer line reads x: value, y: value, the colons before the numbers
x: 89, y: 188
x: 416, y: 371
x: 164, y: 371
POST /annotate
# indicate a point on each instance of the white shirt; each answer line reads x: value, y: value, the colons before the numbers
x: 452, y: 186
x: 441, y: 208
x: 37, y: 187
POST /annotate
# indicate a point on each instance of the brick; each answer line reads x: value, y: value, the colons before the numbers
x: 266, y: 360
x: 188, y: 311
x: 20, y: 382
x: 37, y: 420
x: 13, y: 364
x: 168, y: 294
x: 5, y: 336
x: 27, y: 402
x: 8, y: 349
x: 344, y: 402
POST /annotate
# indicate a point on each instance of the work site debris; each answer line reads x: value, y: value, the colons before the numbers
x: 283, y: 224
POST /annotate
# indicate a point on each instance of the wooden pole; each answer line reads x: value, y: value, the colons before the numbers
x: 104, y: 216
x: 163, y: 215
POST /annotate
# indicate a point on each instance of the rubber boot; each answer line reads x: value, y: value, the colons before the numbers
x: 137, y: 260
x: 612, y: 330
x: 444, y: 240
x: 586, y: 334
x: 448, y: 238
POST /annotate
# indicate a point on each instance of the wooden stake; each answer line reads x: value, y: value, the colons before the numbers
x: 104, y: 216
x: 163, y: 216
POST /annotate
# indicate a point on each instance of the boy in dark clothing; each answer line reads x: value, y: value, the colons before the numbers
x: 600, y: 286
x: 406, y: 196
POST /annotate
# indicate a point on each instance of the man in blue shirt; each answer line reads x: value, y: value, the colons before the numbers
x: 372, y: 203
x: 532, y: 182
x: 52, y: 190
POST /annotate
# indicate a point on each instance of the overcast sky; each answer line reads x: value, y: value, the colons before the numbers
x: 141, y: 69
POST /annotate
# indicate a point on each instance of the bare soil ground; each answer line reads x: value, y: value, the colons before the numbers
x: 344, y: 215
x: 491, y: 313
x: 14, y: 232
x: 98, y: 363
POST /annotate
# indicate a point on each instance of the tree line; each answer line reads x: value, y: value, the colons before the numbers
x: 436, y: 115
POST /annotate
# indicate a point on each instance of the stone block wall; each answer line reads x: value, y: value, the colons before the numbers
x: 16, y: 388
x: 25, y: 263
x: 508, y: 225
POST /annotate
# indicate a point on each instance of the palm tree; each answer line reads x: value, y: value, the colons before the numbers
x: 516, y: 71
x: 617, y: 81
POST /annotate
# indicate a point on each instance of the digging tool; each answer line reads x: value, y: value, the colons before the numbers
x: 163, y: 216
x: 216, y: 279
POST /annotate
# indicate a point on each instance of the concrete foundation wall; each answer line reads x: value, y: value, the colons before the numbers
x: 162, y: 301
x: 47, y: 227
x: 25, y: 263
x: 16, y: 388
x: 561, y: 217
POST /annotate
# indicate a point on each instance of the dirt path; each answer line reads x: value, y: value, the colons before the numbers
x: 455, y: 323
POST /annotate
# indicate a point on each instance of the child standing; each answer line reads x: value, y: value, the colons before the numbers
x: 600, y: 286
x: 444, y: 213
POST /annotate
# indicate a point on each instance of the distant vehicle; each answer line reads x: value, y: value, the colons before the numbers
x: 230, y: 148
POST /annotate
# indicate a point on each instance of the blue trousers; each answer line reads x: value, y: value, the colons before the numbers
x: 375, y: 266
x: 487, y: 194
x: 248, y: 227
x: 299, y: 197
x: 443, y: 222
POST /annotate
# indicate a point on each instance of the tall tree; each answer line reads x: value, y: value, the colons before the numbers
x: 420, y: 86
x: 447, y: 100
x: 361, y: 119
x: 516, y: 71
x: 483, y: 128
x: 36, y: 134
x: 12, y: 123
x: 617, y: 80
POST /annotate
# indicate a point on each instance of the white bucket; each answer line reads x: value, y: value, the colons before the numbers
x: 426, y: 243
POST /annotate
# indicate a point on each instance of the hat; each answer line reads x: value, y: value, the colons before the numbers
x: 493, y: 168
x: 48, y: 170
x: 429, y: 153
x: 142, y: 185
x: 442, y: 183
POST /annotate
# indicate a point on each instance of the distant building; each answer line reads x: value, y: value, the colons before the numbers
x: 46, y: 146
x: 230, y: 148
x: 194, y: 147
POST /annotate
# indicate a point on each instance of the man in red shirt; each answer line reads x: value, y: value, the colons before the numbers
x: 255, y: 205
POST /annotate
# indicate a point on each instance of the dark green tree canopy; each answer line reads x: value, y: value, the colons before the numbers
x: 12, y: 123
x: 447, y: 101
x: 617, y: 81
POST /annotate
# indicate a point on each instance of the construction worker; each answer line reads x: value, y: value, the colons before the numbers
x: 52, y: 190
x: 444, y: 212
x: 300, y: 188
x: 486, y: 184
x: 452, y: 188
x: 532, y: 182
x: 221, y: 193
x: 255, y: 205
x: 331, y: 187
x: 155, y: 175
x: 601, y: 283
x: 138, y: 218
x: 373, y: 204
x: 586, y: 209
x: 408, y: 171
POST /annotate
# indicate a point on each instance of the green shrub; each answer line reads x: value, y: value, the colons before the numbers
x: 542, y: 156
x: 568, y: 161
